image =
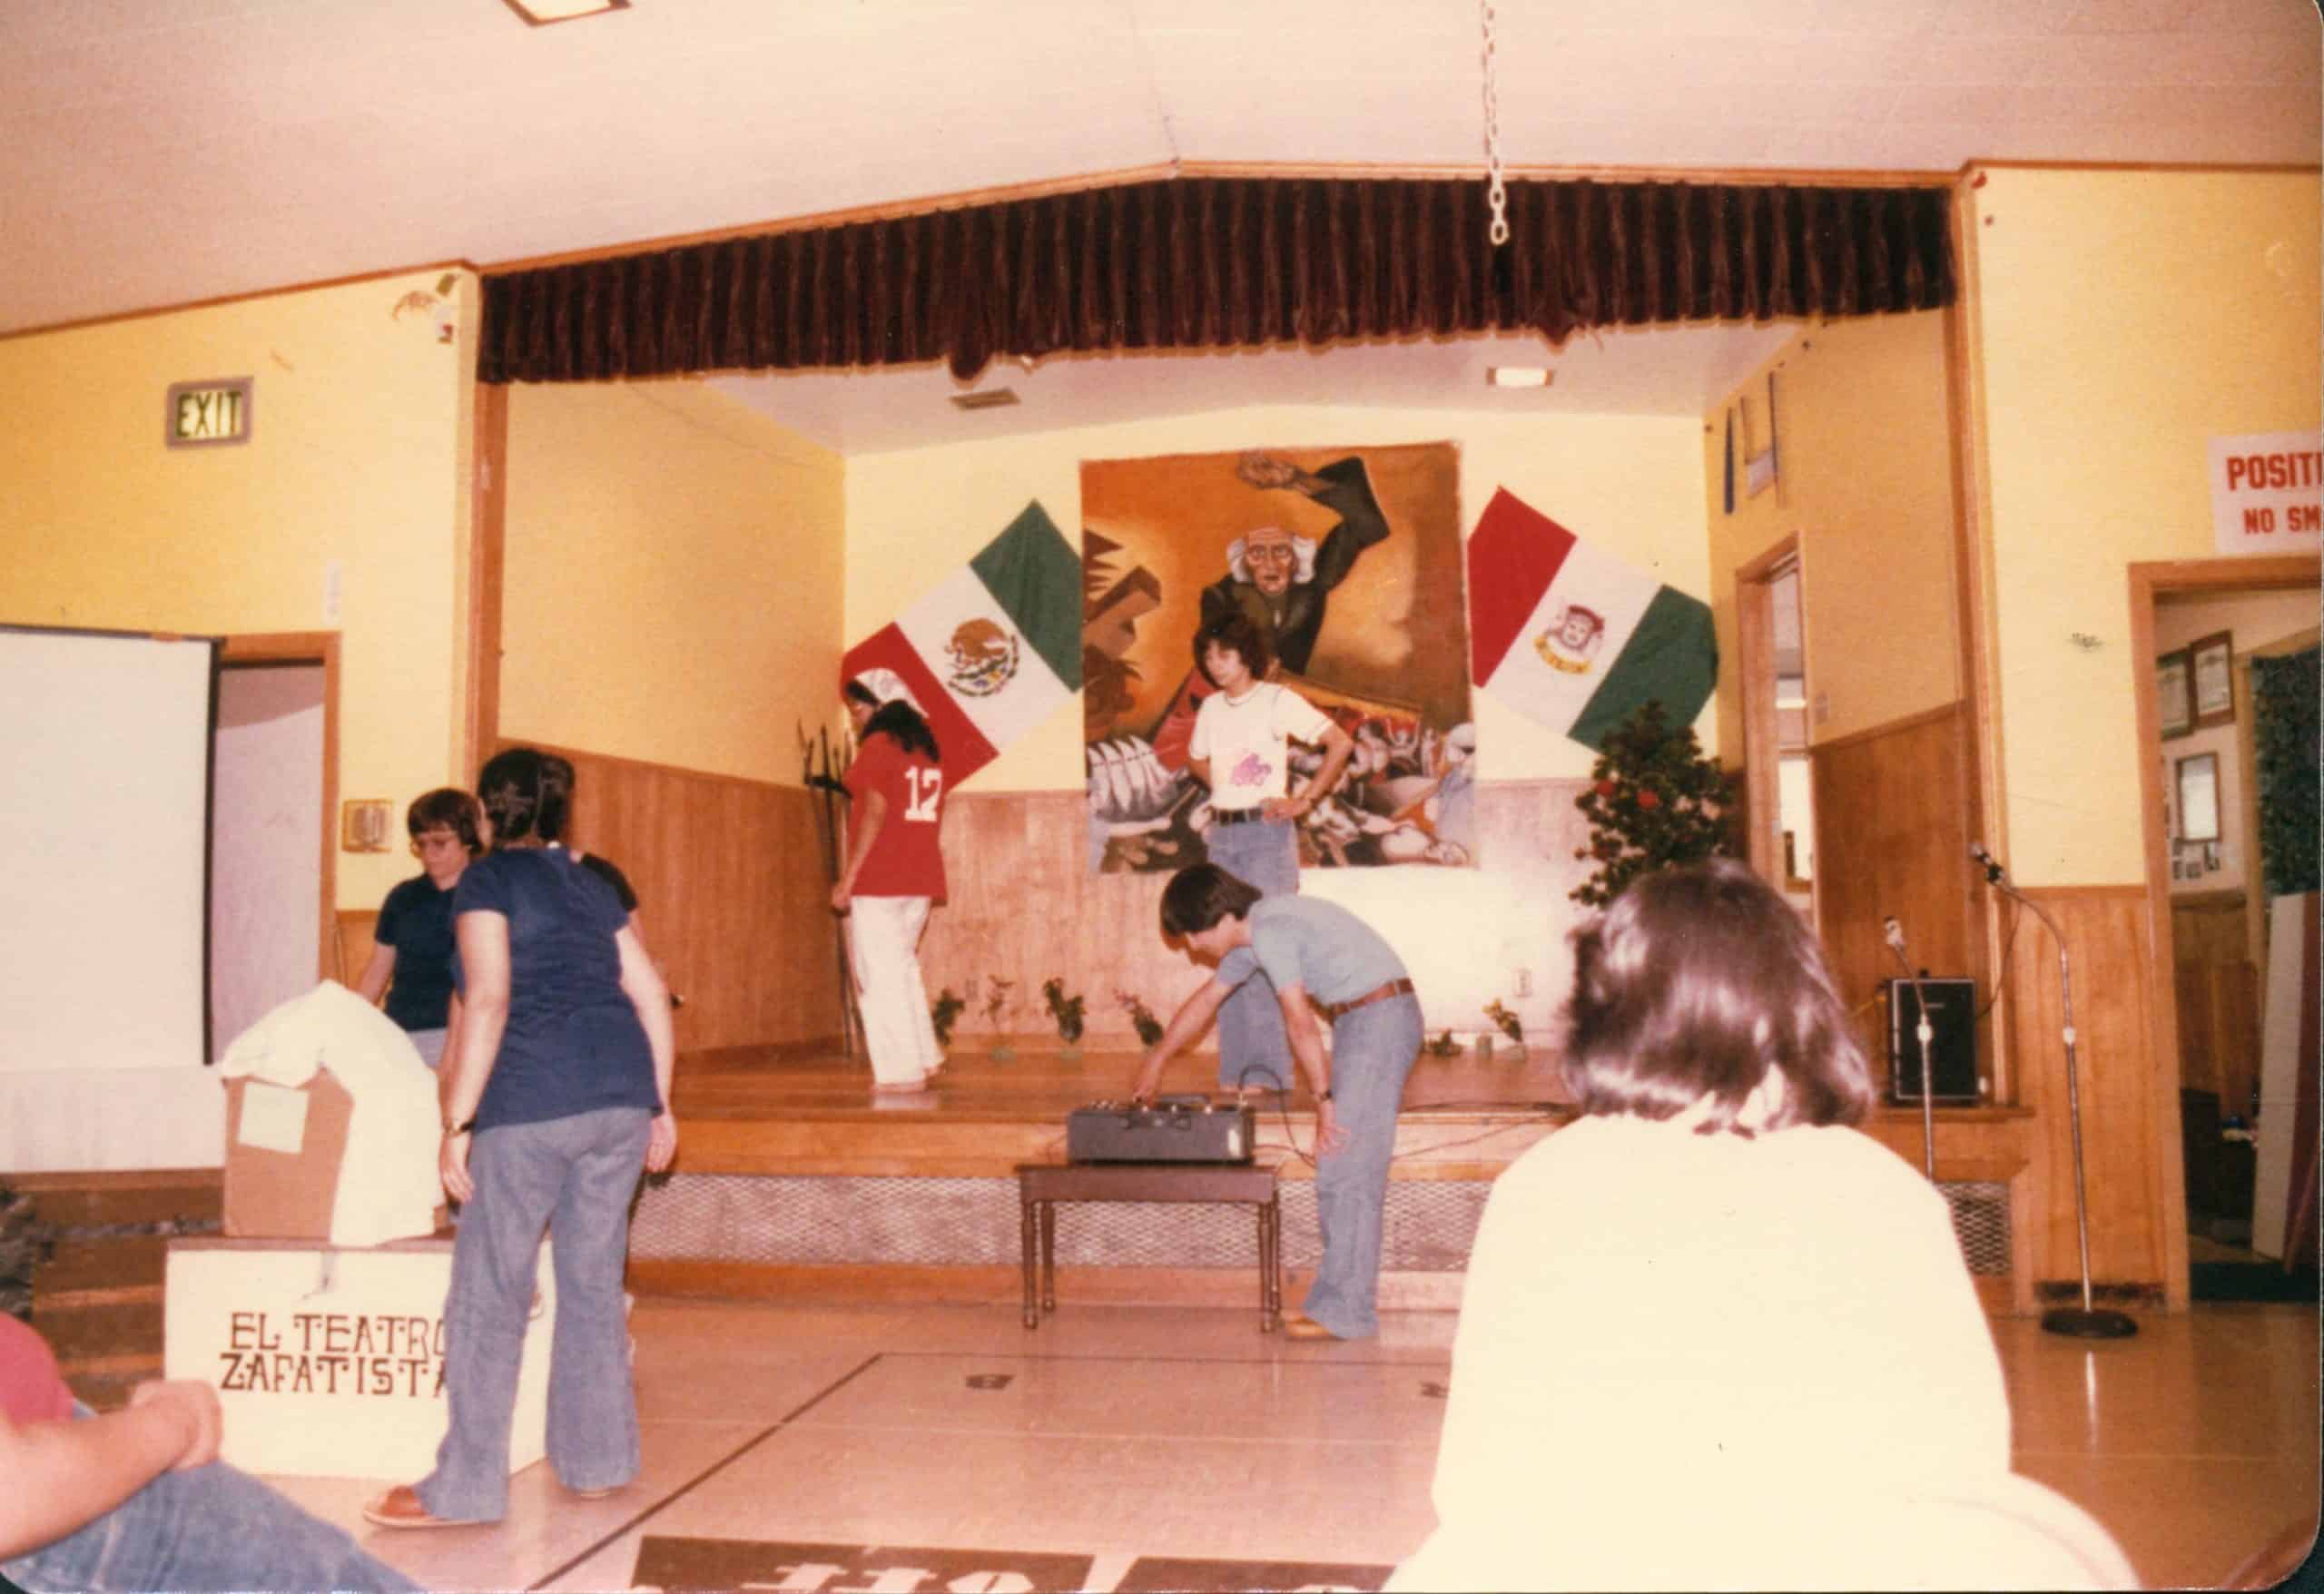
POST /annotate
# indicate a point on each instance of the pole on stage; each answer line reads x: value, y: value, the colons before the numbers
x: 831, y: 791
x: 1893, y: 934
x: 2085, y: 1321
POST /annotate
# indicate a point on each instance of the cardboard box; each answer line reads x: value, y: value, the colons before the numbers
x: 329, y: 1362
x: 284, y: 1149
x: 285, y: 1152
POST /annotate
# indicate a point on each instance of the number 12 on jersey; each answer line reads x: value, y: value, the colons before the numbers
x: 925, y: 788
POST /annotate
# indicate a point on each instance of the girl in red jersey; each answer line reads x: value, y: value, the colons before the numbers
x: 894, y: 874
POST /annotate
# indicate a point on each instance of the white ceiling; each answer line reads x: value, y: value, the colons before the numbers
x: 157, y: 154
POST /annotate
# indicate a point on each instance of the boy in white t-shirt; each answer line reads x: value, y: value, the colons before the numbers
x: 1241, y: 750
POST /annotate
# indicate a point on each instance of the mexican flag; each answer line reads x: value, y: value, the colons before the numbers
x: 1570, y: 637
x: 993, y: 648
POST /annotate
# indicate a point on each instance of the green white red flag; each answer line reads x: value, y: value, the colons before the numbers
x: 994, y: 648
x: 1572, y: 637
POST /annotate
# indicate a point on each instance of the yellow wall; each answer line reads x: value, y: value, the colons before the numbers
x: 1866, y: 482
x: 1630, y: 484
x: 2124, y: 318
x: 360, y: 420
x: 673, y: 580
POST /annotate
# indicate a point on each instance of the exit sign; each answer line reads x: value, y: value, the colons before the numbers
x: 200, y: 414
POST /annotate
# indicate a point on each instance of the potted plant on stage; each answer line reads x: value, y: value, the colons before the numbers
x: 1141, y: 1018
x: 996, y: 1004
x: 1067, y: 1011
x: 1510, y: 1025
x: 943, y: 1013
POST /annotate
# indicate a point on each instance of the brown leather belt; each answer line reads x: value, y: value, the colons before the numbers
x: 1335, y: 1011
x: 1235, y: 815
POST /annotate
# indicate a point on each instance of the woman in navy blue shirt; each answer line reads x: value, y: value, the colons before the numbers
x: 412, y: 943
x: 555, y: 1094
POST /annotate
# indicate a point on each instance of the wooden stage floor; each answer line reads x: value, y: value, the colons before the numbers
x: 753, y: 1111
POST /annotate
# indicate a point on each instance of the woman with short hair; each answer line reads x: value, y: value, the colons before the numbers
x: 1241, y: 750
x: 411, y: 943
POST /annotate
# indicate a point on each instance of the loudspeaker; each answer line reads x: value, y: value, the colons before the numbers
x: 1952, y: 1040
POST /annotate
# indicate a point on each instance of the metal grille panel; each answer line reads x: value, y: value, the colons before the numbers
x: 1981, y: 1223
x: 1428, y: 1226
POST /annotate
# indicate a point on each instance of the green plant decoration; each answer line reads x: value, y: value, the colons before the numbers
x: 1507, y: 1022
x: 1654, y: 801
x: 1444, y: 1046
x: 1066, y: 1011
x: 1141, y: 1018
x: 944, y: 1012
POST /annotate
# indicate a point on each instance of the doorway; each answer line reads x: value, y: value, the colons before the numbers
x: 272, y: 786
x: 1779, y: 787
x: 2200, y: 626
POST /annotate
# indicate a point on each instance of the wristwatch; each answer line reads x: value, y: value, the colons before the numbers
x: 452, y: 1128
x: 1324, y: 1095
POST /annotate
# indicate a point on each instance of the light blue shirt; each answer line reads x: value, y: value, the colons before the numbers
x: 1318, y: 945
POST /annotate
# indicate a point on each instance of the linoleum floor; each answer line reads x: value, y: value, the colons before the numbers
x: 1115, y: 1433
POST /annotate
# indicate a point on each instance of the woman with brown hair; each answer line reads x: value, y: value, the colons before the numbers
x: 1713, y: 1336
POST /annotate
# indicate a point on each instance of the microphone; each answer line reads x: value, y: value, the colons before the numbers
x: 1924, y: 1031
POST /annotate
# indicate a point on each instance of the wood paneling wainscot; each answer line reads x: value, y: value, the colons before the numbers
x: 732, y: 897
x: 1025, y: 906
x: 1892, y: 840
x: 2125, y: 1136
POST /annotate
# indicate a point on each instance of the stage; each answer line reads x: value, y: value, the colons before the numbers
x: 794, y: 1179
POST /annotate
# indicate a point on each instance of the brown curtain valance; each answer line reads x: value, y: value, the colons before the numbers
x: 1222, y: 263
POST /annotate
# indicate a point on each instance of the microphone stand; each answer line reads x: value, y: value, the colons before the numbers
x: 1926, y: 1032
x: 2085, y: 1321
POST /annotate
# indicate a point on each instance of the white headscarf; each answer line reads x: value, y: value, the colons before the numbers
x: 886, y: 686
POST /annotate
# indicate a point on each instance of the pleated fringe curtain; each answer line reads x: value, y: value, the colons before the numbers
x: 1194, y: 263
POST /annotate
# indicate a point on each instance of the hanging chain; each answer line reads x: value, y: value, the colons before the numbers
x: 1496, y: 191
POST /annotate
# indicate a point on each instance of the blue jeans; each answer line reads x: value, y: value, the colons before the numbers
x: 212, y: 1528
x: 573, y: 1176
x: 1263, y: 853
x: 1372, y: 1051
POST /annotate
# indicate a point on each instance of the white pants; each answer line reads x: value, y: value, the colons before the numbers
x: 897, y: 1030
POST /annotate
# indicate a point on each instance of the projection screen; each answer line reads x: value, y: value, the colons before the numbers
x: 104, y: 825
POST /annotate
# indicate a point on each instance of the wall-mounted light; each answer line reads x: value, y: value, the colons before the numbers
x: 541, y: 13
x: 1517, y: 376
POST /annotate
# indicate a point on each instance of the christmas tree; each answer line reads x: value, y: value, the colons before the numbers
x: 1654, y: 801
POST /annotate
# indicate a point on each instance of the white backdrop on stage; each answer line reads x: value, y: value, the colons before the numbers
x: 104, y: 819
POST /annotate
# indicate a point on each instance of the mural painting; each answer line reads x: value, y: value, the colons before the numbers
x: 1348, y: 563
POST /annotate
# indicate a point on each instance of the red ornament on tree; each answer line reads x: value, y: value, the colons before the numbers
x: 1649, y: 800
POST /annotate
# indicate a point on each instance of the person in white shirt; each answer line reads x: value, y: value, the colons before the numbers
x: 1712, y: 1336
x: 1241, y: 750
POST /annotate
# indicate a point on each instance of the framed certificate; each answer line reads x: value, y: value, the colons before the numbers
x: 2174, y: 703
x: 2211, y: 675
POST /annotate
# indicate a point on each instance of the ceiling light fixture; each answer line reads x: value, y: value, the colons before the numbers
x: 1517, y: 376
x: 991, y: 399
x: 541, y: 13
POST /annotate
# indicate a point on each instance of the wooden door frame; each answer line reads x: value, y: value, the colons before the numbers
x: 484, y: 579
x: 308, y: 647
x: 2147, y: 582
x: 1754, y: 630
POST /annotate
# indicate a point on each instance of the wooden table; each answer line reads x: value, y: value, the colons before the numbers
x: 1041, y: 1185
